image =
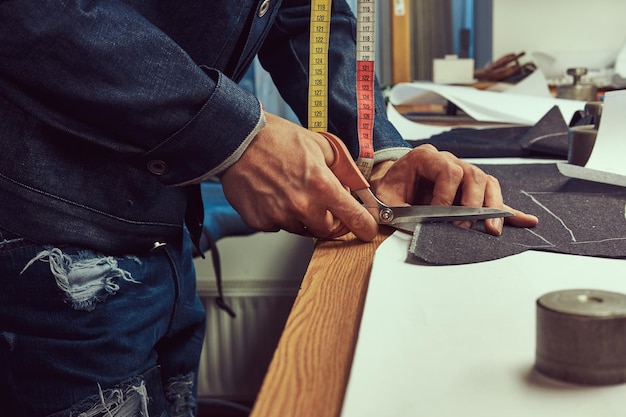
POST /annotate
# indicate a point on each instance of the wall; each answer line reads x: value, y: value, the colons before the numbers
x: 572, y: 25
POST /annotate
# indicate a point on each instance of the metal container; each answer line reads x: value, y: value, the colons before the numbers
x: 581, y: 139
x: 581, y: 336
x: 578, y: 90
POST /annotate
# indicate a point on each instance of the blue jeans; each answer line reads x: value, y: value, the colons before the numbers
x: 82, y: 331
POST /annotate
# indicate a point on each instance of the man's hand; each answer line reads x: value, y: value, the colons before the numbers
x: 428, y: 176
x: 282, y: 181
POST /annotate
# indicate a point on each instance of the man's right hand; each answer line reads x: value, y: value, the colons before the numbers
x: 282, y: 181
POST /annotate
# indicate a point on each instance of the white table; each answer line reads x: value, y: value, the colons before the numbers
x: 452, y: 341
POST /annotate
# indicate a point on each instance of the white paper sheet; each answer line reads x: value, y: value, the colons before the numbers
x: 412, y: 130
x: 524, y: 103
x: 535, y: 85
x: 483, y: 105
x: 609, y: 152
x: 459, y: 341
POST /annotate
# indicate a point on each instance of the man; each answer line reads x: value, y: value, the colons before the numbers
x: 111, y: 113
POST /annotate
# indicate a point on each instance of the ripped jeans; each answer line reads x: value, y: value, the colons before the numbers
x: 84, y: 334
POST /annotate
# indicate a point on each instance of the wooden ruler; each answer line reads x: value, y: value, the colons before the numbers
x: 318, y: 74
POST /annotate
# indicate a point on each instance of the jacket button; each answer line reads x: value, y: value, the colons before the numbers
x: 265, y: 6
x: 157, y: 167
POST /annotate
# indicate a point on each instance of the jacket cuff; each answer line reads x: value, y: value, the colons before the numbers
x: 390, y: 154
x: 212, y: 140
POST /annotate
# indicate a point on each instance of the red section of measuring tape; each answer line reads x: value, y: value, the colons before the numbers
x: 365, y: 103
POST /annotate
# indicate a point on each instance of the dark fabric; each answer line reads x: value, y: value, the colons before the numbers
x: 575, y: 217
x: 74, y: 322
x: 546, y: 138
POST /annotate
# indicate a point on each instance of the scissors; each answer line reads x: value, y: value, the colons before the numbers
x: 404, y: 217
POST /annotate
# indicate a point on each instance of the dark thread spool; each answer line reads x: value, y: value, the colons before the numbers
x: 581, y: 336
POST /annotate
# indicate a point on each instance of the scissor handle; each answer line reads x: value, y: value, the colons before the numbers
x: 343, y: 166
x: 348, y: 174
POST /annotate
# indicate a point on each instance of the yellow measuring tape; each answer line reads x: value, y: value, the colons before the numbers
x: 318, y: 74
x: 318, y: 65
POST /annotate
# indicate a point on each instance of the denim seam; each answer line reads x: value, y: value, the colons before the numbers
x: 177, y: 289
x: 55, y: 197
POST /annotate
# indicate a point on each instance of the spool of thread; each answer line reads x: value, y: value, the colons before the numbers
x: 580, y: 143
x: 582, y: 138
x: 581, y: 336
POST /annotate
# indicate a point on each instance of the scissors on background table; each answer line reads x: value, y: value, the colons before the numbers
x: 404, y: 217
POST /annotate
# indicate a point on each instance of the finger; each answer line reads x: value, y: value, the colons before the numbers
x: 520, y: 219
x: 322, y: 224
x: 474, y: 193
x: 272, y: 226
x: 353, y: 215
x: 333, y: 207
x: 474, y: 187
x: 447, y: 176
x: 299, y: 229
x: 360, y: 222
x: 339, y: 231
x: 342, y: 208
x: 493, y: 199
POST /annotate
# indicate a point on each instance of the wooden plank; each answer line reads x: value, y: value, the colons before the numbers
x: 311, y: 365
x: 400, y: 41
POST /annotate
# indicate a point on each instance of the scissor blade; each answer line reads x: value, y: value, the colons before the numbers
x: 422, y: 214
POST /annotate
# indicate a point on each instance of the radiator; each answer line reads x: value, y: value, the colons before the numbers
x: 261, y: 278
x: 237, y: 351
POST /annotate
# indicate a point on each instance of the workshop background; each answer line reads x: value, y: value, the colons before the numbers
x: 262, y: 272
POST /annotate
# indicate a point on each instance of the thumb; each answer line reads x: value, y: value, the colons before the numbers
x: 354, y: 216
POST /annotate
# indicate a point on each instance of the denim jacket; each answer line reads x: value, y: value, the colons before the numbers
x: 108, y: 106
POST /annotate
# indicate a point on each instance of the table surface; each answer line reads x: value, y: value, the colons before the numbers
x: 315, y: 358
x: 311, y: 365
x: 460, y: 340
